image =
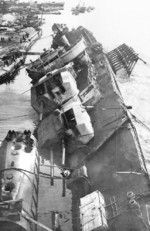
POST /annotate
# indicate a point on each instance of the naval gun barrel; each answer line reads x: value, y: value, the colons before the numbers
x: 63, y: 152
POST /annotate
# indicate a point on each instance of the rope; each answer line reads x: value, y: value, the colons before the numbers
x: 26, y: 91
x: 45, y: 37
x: 36, y: 222
x: 139, y: 145
x: 10, y: 202
x: 140, y: 122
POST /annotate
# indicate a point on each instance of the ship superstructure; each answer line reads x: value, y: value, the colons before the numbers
x: 61, y: 53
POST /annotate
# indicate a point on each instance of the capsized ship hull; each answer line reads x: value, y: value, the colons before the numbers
x: 18, y: 181
x: 113, y: 157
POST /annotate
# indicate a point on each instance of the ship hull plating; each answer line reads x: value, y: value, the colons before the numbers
x: 19, y: 181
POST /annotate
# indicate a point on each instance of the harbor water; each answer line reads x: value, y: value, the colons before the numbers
x: 112, y: 24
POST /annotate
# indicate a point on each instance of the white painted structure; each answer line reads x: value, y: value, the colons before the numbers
x: 91, y: 94
x: 78, y: 121
x: 92, y: 212
x: 74, y: 52
x: 70, y: 86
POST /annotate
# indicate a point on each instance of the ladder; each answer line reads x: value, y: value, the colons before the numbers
x: 112, y: 208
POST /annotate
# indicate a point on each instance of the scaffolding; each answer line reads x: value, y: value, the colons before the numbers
x: 123, y: 57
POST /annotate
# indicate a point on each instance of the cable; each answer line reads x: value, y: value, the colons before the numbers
x: 17, y: 169
x: 23, y: 171
x: 35, y: 222
x: 26, y: 91
x: 41, y: 174
x: 45, y: 37
x: 17, y: 46
x: 14, y: 117
x: 140, y: 149
x: 140, y: 122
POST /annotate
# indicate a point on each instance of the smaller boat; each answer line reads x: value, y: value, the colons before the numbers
x: 82, y: 9
x: 30, y: 20
x: 19, y: 167
x: 90, y: 8
x: 75, y: 12
x: 12, y: 41
x: 79, y: 9
x: 10, y: 61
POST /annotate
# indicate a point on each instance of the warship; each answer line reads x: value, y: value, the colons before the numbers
x: 89, y: 132
x: 85, y: 129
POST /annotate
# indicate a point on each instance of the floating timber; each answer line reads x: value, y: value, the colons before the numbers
x: 123, y: 57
